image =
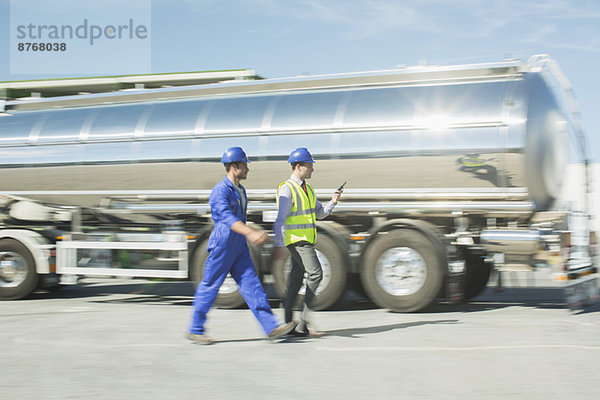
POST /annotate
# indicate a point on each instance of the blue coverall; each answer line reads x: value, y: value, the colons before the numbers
x: 228, y: 253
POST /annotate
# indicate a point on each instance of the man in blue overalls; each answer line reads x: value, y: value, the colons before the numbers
x: 228, y: 253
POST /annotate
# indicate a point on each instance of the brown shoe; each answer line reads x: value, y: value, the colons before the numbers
x: 308, y: 331
x: 297, y: 333
x: 199, y: 339
x: 303, y: 329
x: 315, y: 333
x: 282, y: 330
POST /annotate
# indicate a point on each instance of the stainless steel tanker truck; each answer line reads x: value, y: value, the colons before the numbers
x: 452, y: 171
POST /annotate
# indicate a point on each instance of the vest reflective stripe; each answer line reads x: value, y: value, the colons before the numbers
x: 301, y: 212
x: 300, y: 224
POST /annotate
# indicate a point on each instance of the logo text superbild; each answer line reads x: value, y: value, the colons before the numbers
x: 83, y: 31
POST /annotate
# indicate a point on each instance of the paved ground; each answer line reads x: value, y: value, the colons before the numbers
x: 124, y: 339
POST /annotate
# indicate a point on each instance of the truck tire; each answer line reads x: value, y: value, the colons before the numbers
x: 229, y: 294
x: 18, y: 277
x: 334, y: 274
x: 477, y: 275
x: 402, y: 271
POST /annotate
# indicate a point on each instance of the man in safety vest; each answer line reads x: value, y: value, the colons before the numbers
x: 295, y: 227
x: 228, y: 253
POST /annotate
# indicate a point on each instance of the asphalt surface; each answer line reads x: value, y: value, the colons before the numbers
x: 124, y: 339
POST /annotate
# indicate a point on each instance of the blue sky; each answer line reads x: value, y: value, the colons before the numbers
x: 292, y: 37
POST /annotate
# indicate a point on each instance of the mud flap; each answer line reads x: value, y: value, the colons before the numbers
x: 582, y: 292
x: 455, y: 282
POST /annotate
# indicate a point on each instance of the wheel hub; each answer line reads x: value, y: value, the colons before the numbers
x: 13, y: 269
x: 401, y: 271
x: 229, y: 285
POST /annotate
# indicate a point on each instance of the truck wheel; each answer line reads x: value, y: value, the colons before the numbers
x: 477, y: 275
x: 229, y: 294
x: 402, y: 271
x: 334, y: 275
x: 18, y: 277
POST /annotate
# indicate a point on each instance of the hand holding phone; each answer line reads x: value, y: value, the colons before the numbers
x: 338, y: 193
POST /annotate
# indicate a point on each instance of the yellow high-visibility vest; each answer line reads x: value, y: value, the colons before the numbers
x: 300, y: 224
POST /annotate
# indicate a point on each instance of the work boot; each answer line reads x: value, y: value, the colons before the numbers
x: 200, y: 338
x: 282, y: 330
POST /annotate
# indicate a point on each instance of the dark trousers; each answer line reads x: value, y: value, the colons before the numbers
x: 304, y: 259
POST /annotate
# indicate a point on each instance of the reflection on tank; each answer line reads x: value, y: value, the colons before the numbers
x: 479, y: 167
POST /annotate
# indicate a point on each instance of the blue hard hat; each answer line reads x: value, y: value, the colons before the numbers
x: 301, y: 154
x: 234, y: 154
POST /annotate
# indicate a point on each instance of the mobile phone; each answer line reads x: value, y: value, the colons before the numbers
x: 342, y: 186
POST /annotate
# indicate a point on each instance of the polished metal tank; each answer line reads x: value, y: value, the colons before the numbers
x: 485, y: 131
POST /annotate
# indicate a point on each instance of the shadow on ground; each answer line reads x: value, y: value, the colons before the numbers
x: 355, y: 332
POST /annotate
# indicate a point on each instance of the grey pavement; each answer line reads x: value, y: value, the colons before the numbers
x: 124, y: 339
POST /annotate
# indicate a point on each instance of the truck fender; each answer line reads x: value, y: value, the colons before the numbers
x: 37, y: 245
